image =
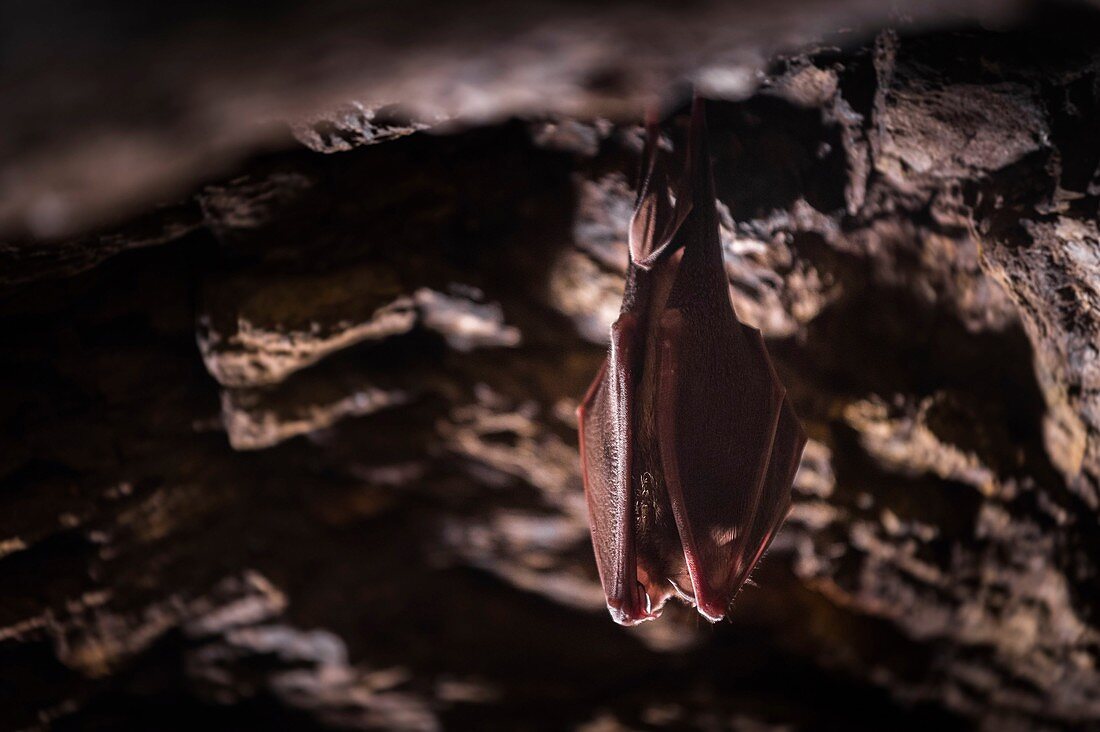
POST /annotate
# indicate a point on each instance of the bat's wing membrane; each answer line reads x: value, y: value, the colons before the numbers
x: 656, y: 219
x: 728, y: 440
x: 604, y: 421
x: 775, y: 501
x: 719, y: 407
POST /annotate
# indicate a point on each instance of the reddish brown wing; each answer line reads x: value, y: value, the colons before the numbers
x: 718, y: 404
x: 718, y: 410
x: 656, y: 221
x: 605, y: 424
x: 775, y: 501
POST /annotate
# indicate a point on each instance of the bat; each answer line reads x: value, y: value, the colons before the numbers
x: 688, y: 443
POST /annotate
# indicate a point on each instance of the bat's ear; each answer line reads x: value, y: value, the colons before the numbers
x: 656, y: 218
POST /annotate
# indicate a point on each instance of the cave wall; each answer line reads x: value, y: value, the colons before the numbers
x: 295, y: 445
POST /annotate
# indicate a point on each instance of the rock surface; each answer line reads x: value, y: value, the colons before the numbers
x: 125, y: 105
x: 299, y: 449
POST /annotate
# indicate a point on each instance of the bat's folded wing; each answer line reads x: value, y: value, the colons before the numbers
x: 604, y: 421
x: 656, y: 219
x: 775, y: 500
x: 719, y: 407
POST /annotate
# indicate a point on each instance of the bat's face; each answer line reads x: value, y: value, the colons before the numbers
x: 688, y: 443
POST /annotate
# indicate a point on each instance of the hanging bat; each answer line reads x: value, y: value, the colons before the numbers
x: 688, y: 442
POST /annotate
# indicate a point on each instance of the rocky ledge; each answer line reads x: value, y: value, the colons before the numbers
x: 294, y: 443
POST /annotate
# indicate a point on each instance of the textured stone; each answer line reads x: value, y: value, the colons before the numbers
x: 351, y: 125
x: 156, y: 118
x: 257, y: 332
x: 355, y: 502
x: 1061, y: 258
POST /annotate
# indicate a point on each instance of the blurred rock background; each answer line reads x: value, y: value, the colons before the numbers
x: 297, y: 307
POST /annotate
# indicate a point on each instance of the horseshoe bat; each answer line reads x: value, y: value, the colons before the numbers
x: 688, y: 443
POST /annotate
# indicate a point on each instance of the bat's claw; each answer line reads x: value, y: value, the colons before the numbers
x: 628, y: 618
x: 632, y: 613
